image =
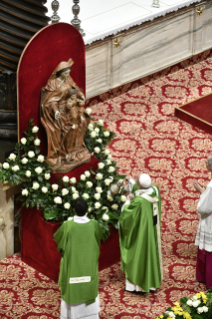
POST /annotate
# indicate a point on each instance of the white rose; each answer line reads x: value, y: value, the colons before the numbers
x: 195, y: 303
x: 25, y: 192
x: 189, y: 302
x: 87, y: 174
x: 35, y: 129
x: 111, y: 178
x: 106, y: 133
x: 65, y: 179
x: 107, y: 181
x: 205, y: 309
x: 108, y: 162
x: 99, y: 140
x: 101, y: 165
x: 171, y: 314
x: 99, y: 190
x: 40, y: 158
x: 67, y: 206
x: 99, y: 176
x: 55, y: 187
x: 73, y: 189
x: 109, y: 156
x: 100, y: 122
x: 89, y: 184
x: 82, y: 177
x: 47, y: 176
x: 107, y: 152
x: 105, y: 208
x: 75, y: 195
x: 24, y: 160
x: 31, y: 154
x: 90, y: 127
x: 28, y: 173
x: 85, y: 196
x: 88, y: 110
x: 6, y: 165
x: 110, y: 198
x: 97, y: 196
x: 123, y: 198
x: 15, y: 168
x: 105, y: 217
x: 37, y: 142
x: 97, y: 150
x: 199, y: 310
x: 58, y: 200
x: 12, y: 157
x: 44, y: 189
x: 23, y: 140
x: 194, y: 297
x: 114, y: 206
x: 73, y: 180
x: 65, y: 191
x: 111, y: 169
x: 93, y: 134
x: 38, y: 170
x: 97, y: 205
x: 35, y: 185
x: 96, y: 130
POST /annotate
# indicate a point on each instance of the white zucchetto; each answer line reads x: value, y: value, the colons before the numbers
x: 145, y: 180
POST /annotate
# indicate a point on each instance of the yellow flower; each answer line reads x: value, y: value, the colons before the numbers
x: 198, y: 295
x: 186, y: 315
x: 177, y: 304
x: 161, y: 316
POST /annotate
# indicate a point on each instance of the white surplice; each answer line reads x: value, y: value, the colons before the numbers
x: 204, y: 231
x: 80, y: 311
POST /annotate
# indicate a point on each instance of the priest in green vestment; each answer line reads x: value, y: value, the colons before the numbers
x: 79, y: 241
x: 140, y: 236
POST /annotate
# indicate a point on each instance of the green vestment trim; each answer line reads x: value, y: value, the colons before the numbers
x: 79, y: 245
x: 140, y: 248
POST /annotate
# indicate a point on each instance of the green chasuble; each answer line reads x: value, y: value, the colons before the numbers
x: 79, y: 245
x: 140, y: 240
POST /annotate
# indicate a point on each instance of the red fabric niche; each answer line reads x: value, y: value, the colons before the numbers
x: 39, y: 249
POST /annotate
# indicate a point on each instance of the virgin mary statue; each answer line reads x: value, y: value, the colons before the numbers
x: 64, y: 119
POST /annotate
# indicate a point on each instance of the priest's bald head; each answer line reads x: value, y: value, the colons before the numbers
x: 144, y: 181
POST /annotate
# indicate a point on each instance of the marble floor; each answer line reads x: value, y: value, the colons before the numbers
x: 102, y: 18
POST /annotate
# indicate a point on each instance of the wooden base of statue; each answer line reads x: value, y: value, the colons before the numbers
x: 65, y: 168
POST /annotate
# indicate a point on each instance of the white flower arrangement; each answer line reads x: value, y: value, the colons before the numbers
x: 97, y: 130
x: 93, y: 134
x: 37, y: 142
x: 97, y: 205
x: 87, y: 173
x: 99, y: 189
x: 25, y: 192
x: 55, y: 187
x: 40, y: 158
x: 24, y: 160
x: 35, y: 185
x: 85, y: 196
x: 23, y: 140
x: 97, y: 150
x: 123, y: 198
x: 65, y: 191
x: 100, y: 122
x: 89, y: 184
x: 105, y: 217
x: 99, y: 176
x: 28, y: 173
x: 107, y: 181
x: 90, y: 126
x: 114, y: 206
x: 65, y: 179
x: 101, y: 165
x: 12, y: 157
x: 107, y: 152
x: 73, y: 180
x: 15, y: 168
x: 38, y: 170
x: 31, y: 154
x: 35, y: 129
x: 47, y: 176
x: 44, y: 189
x: 106, y: 134
x: 6, y: 165
x: 111, y: 169
x: 99, y: 140
x: 67, y: 205
x: 58, y: 200
x: 97, y: 196
x: 75, y: 195
x: 83, y: 177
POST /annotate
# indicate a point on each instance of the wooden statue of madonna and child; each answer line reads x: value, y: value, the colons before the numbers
x: 64, y: 119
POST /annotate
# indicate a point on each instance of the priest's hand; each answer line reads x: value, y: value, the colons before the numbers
x: 199, y: 187
x: 128, y: 197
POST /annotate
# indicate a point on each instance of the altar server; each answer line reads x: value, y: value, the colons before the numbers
x: 204, y: 231
x: 78, y: 241
x: 140, y: 236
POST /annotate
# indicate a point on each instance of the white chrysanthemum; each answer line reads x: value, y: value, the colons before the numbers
x: 105, y: 217
x: 82, y: 177
x: 47, y: 176
x: 89, y: 184
x: 35, y: 129
x: 123, y: 198
x: 88, y: 110
x: 97, y: 130
x: 85, y: 196
x: 99, y: 140
x: 106, y: 133
x: 75, y: 195
x: 199, y: 310
x: 58, y: 200
x: 111, y: 169
x: 65, y: 191
x: 12, y: 157
x: 25, y: 192
x: 171, y: 314
x: 65, y: 179
x: 73, y: 180
x: 35, y: 185
x: 6, y: 165
x: 90, y: 127
x: 101, y: 165
x: 194, y: 298
x: 87, y: 173
x: 67, y: 205
x: 38, y: 170
x: 37, y: 142
x: 97, y: 150
x: 23, y: 140
x: 99, y: 176
x: 55, y: 187
x: 99, y: 189
x: 114, y: 206
x: 31, y: 154
x: 40, y: 158
x: 205, y: 309
x: 107, y: 181
x: 93, y: 134
x: 100, y: 122
x: 97, y: 205
x: 189, y: 302
x: 28, y: 173
x: 15, y: 168
x: 107, y: 152
x: 24, y: 160
x: 44, y: 189
x: 195, y: 303
x: 97, y: 196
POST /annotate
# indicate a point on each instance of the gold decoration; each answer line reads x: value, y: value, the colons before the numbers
x: 199, y: 11
x: 116, y: 42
